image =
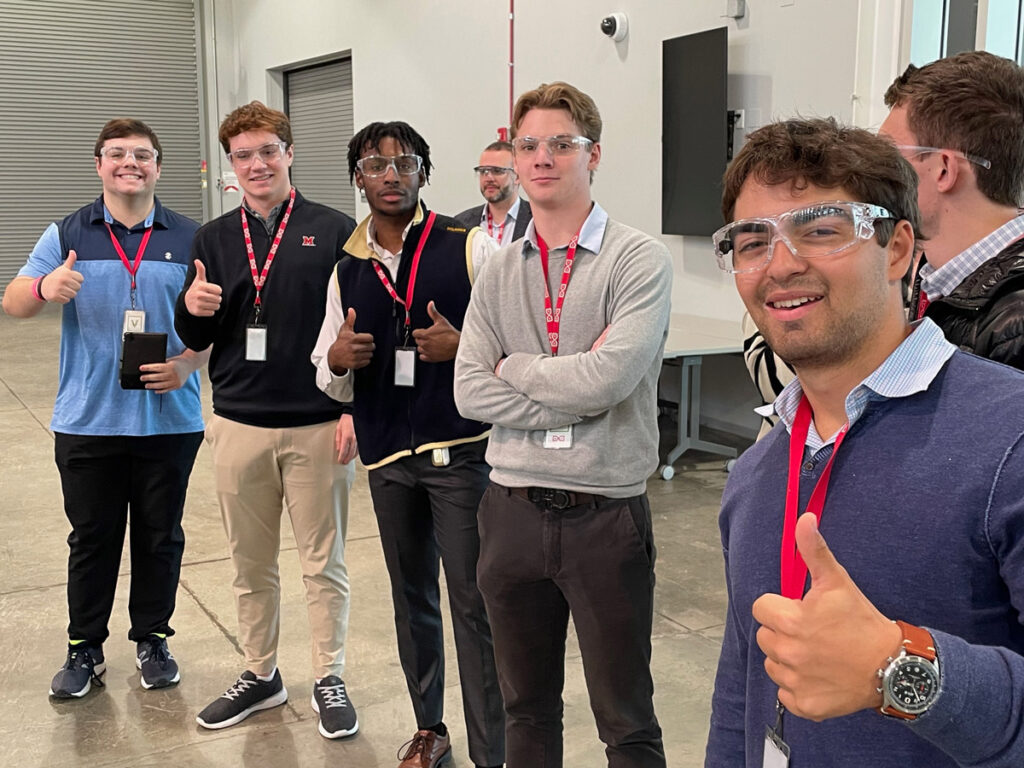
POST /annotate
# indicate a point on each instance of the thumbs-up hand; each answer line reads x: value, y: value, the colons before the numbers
x: 202, y: 299
x: 63, y: 283
x: 824, y: 651
x: 440, y: 341
x: 350, y: 350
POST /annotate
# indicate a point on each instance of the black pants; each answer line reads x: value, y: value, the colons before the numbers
x: 108, y: 481
x: 595, y: 561
x: 426, y: 513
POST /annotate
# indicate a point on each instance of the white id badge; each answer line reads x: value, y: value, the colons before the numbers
x: 134, y: 321
x: 776, y: 751
x: 256, y: 343
x: 405, y: 366
x: 558, y: 438
x: 440, y: 457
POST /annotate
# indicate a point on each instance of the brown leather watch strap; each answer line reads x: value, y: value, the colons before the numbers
x: 917, y: 641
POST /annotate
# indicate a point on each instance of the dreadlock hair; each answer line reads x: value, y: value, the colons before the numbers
x: 373, y: 134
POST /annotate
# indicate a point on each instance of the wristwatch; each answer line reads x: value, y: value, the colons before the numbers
x: 910, y: 681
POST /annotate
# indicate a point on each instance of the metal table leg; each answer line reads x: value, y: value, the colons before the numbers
x: 688, y: 432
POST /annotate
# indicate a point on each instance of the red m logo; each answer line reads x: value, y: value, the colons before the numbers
x: 308, y: 240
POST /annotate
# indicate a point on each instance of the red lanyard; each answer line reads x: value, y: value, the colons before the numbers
x: 132, y: 267
x: 794, y: 569
x: 554, y: 317
x: 412, y: 272
x: 259, y: 280
x: 490, y: 225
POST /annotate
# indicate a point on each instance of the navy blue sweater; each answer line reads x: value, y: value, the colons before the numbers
x: 282, y: 391
x: 925, y: 509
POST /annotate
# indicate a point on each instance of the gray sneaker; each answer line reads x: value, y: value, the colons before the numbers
x: 157, y: 668
x: 83, y: 667
x: 249, y: 694
x: 331, y: 702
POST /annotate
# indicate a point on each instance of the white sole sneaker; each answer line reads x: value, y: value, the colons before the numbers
x: 97, y: 671
x: 173, y: 681
x: 336, y: 734
x: 270, y: 702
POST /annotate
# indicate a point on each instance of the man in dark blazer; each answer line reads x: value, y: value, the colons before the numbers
x: 505, y: 215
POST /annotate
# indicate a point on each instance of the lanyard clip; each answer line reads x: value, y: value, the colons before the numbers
x: 780, y: 711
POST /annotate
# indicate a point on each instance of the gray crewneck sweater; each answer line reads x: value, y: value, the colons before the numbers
x: 621, y: 278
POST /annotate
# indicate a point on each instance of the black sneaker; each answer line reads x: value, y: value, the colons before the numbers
x: 331, y: 702
x: 83, y: 667
x: 157, y: 667
x: 249, y: 694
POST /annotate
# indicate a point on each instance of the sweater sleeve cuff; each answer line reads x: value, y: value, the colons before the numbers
x: 981, y: 694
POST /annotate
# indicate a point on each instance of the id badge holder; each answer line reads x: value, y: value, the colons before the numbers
x: 405, y: 366
x: 560, y: 437
x: 776, y: 751
x: 256, y: 343
x: 134, y: 321
x: 440, y: 457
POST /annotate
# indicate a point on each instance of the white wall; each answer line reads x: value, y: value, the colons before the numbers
x: 442, y: 67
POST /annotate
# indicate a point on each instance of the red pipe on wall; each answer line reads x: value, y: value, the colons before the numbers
x: 511, y: 57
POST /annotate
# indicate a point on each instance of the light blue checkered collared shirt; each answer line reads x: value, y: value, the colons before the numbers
x: 940, y: 282
x: 911, y: 368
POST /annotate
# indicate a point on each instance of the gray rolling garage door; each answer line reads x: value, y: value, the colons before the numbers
x: 319, y: 104
x: 68, y: 66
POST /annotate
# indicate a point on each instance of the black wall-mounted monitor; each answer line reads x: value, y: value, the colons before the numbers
x: 694, y: 132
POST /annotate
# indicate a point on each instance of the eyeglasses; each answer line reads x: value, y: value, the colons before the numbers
x: 915, y: 151
x: 494, y: 171
x: 141, y: 155
x: 558, y: 146
x: 375, y: 166
x: 268, y: 153
x: 816, y: 230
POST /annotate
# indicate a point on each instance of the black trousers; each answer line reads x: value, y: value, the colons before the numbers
x: 108, y: 481
x: 595, y: 561
x: 426, y: 514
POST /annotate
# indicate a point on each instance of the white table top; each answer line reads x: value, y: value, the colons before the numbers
x: 693, y: 335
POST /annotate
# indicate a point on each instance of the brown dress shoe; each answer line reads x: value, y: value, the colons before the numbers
x: 426, y: 750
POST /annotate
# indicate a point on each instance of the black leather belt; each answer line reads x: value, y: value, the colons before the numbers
x: 555, y: 498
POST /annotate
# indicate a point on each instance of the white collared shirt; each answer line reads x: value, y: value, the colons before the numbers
x: 510, y: 223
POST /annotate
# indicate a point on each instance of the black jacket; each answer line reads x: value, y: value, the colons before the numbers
x: 471, y: 218
x: 985, y: 313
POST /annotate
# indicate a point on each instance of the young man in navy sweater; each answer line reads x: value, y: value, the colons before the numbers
x: 883, y: 628
x: 278, y: 443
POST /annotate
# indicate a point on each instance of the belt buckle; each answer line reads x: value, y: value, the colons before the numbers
x: 554, y: 498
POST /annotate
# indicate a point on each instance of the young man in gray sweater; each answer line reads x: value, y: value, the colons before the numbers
x: 569, y: 380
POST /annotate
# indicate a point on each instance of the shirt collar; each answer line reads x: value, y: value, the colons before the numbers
x: 371, y: 233
x: 156, y: 215
x: 513, y: 212
x: 942, y: 281
x: 268, y: 222
x: 591, y: 233
x: 911, y: 368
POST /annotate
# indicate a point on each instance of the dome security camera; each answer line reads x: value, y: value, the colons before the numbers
x: 616, y: 26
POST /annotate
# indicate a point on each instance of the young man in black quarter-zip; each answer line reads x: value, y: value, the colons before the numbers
x: 388, y: 344
x: 255, y: 291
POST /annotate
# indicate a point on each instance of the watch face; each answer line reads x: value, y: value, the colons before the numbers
x: 913, y: 685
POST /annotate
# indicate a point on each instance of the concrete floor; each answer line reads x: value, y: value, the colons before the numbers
x: 124, y: 725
